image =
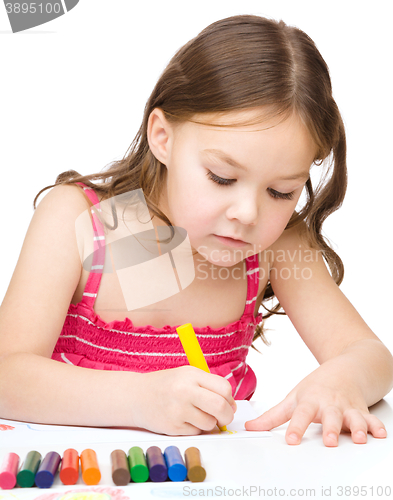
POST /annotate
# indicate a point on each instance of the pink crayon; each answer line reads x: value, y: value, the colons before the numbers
x: 8, y: 471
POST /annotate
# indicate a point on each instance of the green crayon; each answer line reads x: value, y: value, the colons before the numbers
x: 138, y: 466
x: 26, y: 476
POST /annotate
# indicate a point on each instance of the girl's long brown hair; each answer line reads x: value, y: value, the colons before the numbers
x: 238, y: 63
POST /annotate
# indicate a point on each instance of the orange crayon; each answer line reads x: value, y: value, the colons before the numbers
x: 91, y: 474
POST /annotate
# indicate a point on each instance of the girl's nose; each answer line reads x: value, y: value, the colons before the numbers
x: 244, y: 209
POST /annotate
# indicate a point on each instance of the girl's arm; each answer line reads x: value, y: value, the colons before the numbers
x: 35, y: 388
x: 180, y: 401
x: 356, y: 368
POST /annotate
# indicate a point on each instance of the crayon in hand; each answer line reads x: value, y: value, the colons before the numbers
x: 193, y: 350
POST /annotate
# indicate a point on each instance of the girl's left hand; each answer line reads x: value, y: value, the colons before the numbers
x: 320, y: 399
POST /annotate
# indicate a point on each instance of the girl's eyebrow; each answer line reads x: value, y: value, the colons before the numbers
x: 230, y: 161
x: 225, y: 157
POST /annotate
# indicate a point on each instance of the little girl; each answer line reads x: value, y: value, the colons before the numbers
x: 229, y: 135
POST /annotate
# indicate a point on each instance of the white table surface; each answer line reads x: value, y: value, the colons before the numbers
x: 253, y: 468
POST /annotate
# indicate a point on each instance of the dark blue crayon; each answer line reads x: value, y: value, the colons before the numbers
x: 177, y: 470
x: 47, y: 470
x: 158, y: 471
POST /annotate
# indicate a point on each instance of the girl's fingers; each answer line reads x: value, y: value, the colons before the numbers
x: 355, y: 422
x: 358, y: 424
x: 214, y: 406
x: 375, y: 426
x: 215, y: 383
x: 303, y: 415
x: 201, y: 420
x: 332, y: 421
x: 274, y: 417
x: 182, y: 429
x: 372, y: 425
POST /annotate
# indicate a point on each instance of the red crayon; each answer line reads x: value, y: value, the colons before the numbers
x: 69, y: 472
x: 8, y: 471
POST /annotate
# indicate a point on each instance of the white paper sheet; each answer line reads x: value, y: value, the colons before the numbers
x: 22, y: 434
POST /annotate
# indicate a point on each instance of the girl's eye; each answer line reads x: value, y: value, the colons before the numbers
x: 281, y: 196
x: 227, y: 182
x: 220, y: 180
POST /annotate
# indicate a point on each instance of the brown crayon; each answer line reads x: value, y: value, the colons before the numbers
x: 195, y: 472
x: 120, y: 471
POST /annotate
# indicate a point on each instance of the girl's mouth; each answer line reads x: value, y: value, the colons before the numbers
x: 230, y: 242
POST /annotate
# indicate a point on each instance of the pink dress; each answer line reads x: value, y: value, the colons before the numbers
x: 88, y: 341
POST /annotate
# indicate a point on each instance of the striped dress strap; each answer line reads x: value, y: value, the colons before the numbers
x: 94, y: 279
x: 252, y: 283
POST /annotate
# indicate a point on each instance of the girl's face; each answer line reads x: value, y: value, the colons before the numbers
x: 235, y: 189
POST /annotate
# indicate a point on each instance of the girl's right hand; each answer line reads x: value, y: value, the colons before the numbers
x: 183, y: 401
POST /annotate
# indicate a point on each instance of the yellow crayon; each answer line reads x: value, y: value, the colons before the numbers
x: 193, y: 350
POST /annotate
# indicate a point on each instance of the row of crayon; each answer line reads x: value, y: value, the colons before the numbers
x: 136, y: 467
x: 156, y: 466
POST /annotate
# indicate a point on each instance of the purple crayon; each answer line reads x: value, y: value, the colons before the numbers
x: 158, y: 471
x: 47, y: 470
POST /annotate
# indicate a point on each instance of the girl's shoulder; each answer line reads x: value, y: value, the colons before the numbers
x: 294, y: 238
x: 63, y: 196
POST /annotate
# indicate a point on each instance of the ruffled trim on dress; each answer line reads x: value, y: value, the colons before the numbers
x: 120, y: 343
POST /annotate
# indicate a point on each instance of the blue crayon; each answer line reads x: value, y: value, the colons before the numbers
x: 177, y: 470
x: 47, y: 470
x: 158, y: 471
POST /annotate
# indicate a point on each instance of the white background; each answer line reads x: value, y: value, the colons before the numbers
x: 73, y: 93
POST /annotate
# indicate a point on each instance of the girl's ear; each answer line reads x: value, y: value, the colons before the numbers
x: 159, y: 134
